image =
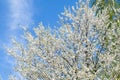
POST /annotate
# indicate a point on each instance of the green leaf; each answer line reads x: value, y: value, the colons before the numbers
x: 109, y: 26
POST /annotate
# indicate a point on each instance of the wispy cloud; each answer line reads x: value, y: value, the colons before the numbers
x: 20, y: 13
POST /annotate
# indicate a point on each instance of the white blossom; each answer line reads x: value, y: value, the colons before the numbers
x: 67, y: 54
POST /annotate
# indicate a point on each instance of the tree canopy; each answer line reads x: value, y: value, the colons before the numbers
x: 83, y: 48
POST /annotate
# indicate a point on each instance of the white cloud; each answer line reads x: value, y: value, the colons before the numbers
x: 20, y: 13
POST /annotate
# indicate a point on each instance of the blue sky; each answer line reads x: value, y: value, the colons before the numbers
x: 14, y: 13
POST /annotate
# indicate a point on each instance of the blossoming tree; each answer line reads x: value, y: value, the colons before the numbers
x: 78, y: 50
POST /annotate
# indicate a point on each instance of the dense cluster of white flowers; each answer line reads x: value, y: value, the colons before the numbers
x: 83, y: 48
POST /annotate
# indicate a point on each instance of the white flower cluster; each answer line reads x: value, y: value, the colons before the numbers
x: 83, y: 48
